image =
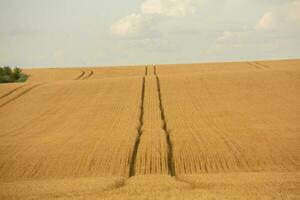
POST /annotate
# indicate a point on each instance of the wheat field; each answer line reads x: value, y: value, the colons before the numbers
x: 186, y: 131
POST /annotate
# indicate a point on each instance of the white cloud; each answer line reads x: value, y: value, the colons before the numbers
x: 135, y: 26
x: 286, y: 17
x: 266, y: 22
x: 174, y: 8
x: 273, y: 36
x: 226, y: 36
x: 143, y: 23
x: 128, y: 25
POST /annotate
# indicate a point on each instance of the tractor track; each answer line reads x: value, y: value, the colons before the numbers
x: 254, y: 65
x: 170, y: 160
x: 11, y: 91
x: 89, y: 75
x: 81, y: 75
x: 165, y: 128
x: 263, y: 65
x: 22, y: 93
x: 258, y: 65
x: 139, y: 129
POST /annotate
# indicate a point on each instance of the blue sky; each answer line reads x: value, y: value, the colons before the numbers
x: 38, y: 33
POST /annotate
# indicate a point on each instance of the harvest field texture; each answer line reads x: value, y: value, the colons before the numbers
x: 185, y: 131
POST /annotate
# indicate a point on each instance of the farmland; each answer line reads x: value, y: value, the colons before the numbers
x: 185, y: 131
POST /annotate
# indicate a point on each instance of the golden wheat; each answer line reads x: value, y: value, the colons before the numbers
x: 234, y: 121
x: 152, y: 155
x: 52, y: 74
x: 70, y: 129
x: 199, y: 131
x: 115, y: 72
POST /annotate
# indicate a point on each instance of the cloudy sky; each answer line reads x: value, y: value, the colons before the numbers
x: 97, y: 32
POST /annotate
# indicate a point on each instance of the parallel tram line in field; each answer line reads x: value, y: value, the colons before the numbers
x: 254, y: 65
x: 11, y: 91
x: 220, y: 134
x: 263, y: 65
x: 258, y: 65
x: 88, y: 76
x: 192, y: 134
x: 153, y: 152
x: 21, y: 94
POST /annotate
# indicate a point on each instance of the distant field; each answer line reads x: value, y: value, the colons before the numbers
x: 188, y: 131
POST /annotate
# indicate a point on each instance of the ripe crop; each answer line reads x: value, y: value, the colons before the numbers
x: 199, y: 131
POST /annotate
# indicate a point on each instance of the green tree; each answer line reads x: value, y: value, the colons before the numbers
x: 9, y: 75
x: 7, y: 70
x: 17, y: 73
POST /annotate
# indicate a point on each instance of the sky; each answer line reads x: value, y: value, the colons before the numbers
x: 45, y: 33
